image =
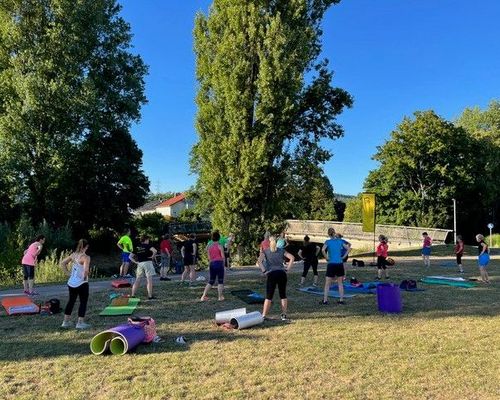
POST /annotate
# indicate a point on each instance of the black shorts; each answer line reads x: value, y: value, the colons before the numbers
x: 28, y: 272
x: 335, y: 270
x: 381, y: 262
x: 189, y: 259
x: 459, y: 259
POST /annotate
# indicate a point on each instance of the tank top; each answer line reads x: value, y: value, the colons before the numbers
x: 77, y: 277
x: 214, y: 253
x: 480, y: 247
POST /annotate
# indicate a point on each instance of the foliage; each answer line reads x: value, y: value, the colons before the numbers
x: 257, y: 118
x: 353, y: 210
x: 69, y: 89
x: 159, y: 196
x: 424, y: 165
x: 153, y: 225
x: 495, y: 240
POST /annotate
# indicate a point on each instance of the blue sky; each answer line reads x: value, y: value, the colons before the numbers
x: 393, y: 56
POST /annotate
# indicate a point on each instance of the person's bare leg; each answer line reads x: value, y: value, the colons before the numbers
x: 220, y: 291
x: 315, y: 280
x: 192, y: 274
x: 302, y: 280
x: 185, y: 273
x: 149, y: 285
x: 284, y: 305
x: 204, y: 296
x: 25, y: 285
x: 267, y: 307
x: 379, y: 273
x: 136, y: 285
x: 30, y: 285
x: 328, y: 283
x: 340, y: 283
x: 124, y: 271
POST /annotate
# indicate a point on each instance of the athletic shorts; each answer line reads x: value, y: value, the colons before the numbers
x: 125, y: 257
x: 335, y: 270
x: 189, y: 259
x: 216, y: 272
x: 426, y: 251
x: 483, y: 260
x: 145, y: 268
x: 28, y: 272
x: 459, y: 259
x: 381, y: 262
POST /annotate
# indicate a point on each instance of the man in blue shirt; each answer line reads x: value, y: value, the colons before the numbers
x: 334, y: 250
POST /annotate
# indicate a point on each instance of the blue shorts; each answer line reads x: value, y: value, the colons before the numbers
x: 216, y: 272
x: 125, y: 257
x: 426, y: 251
x: 483, y: 260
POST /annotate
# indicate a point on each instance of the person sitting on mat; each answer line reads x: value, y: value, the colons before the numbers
x: 459, y: 252
x: 483, y: 258
x: 382, y: 250
x: 426, y: 249
x: 78, y: 284
x: 332, y: 251
x: 271, y: 264
x: 28, y: 263
x: 217, y: 260
x: 309, y: 253
x: 143, y: 257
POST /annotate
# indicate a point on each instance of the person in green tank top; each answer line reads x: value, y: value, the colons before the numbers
x: 126, y: 246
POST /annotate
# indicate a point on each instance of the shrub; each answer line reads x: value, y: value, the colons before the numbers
x: 495, y: 240
x: 153, y: 225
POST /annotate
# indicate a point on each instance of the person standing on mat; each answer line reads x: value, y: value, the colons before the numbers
x: 309, y: 253
x: 217, y: 261
x: 143, y: 257
x: 483, y: 258
x: 126, y: 246
x: 332, y: 251
x: 271, y: 264
x: 189, y: 251
x: 459, y: 252
x: 426, y: 249
x: 78, y: 284
x: 166, y: 255
x: 382, y: 250
x: 28, y: 262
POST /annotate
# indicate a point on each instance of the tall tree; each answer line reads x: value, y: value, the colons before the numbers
x: 68, y: 82
x: 257, y: 116
x: 426, y: 163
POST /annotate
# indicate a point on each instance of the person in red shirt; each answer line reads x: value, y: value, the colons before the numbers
x: 459, y: 252
x: 382, y: 250
x: 166, y: 255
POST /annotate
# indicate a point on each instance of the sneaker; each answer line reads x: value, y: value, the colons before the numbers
x: 128, y: 276
x: 26, y: 292
x: 115, y: 276
x: 462, y: 271
x: 340, y: 302
x: 387, y: 277
x: 33, y: 293
x: 315, y: 285
x: 324, y: 303
x: 377, y: 278
x: 66, y: 324
x: 283, y: 317
x: 152, y: 298
x: 166, y: 279
x: 82, y: 325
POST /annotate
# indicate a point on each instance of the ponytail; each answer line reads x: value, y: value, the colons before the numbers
x: 272, y: 243
x: 82, y: 243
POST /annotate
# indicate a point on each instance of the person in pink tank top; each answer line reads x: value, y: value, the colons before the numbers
x: 28, y: 263
x: 217, y: 260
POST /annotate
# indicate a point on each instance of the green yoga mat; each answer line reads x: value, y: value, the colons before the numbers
x: 122, y: 310
x: 446, y: 282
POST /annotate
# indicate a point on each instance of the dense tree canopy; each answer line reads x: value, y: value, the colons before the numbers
x: 69, y: 89
x: 424, y: 165
x: 257, y: 117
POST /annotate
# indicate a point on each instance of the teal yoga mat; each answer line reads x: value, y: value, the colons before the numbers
x: 433, y: 281
x: 319, y: 292
x: 122, y: 310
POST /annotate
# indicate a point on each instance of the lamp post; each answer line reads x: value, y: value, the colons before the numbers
x: 455, y: 220
x: 490, y: 227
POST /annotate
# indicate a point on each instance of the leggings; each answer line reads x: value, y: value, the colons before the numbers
x: 459, y: 259
x: 308, y: 264
x: 276, y: 277
x: 83, y: 292
x: 216, y: 272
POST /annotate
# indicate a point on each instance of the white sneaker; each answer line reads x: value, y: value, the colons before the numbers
x: 67, y: 324
x: 82, y: 325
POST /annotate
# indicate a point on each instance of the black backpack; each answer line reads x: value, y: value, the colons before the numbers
x: 54, y: 306
x: 358, y: 263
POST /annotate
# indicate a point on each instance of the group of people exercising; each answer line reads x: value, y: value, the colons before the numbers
x: 274, y: 262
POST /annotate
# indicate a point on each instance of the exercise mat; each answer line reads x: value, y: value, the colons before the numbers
x: 319, y: 292
x: 447, y: 282
x: 248, y: 296
x: 122, y: 310
x: 118, y: 340
x: 15, y: 305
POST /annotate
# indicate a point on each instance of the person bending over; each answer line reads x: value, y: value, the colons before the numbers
x: 30, y: 259
x: 271, y: 264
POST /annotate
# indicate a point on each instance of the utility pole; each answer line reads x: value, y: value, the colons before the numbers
x: 455, y: 220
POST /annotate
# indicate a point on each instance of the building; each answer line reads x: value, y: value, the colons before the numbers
x: 170, y: 208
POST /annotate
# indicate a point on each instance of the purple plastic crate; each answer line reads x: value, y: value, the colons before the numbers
x: 389, y: 298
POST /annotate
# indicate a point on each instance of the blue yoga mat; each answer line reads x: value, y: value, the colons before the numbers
x: 319, y: 292
x: 367, y: 288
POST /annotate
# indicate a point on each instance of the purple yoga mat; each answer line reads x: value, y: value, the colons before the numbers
x: 133, y: 335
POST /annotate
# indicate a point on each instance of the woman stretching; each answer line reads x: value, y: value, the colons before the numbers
x: 78, y: 284
x: 271, y: 264
x: 217, y: 261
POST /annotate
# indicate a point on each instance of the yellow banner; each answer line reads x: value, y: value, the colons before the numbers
x: 368, y: 204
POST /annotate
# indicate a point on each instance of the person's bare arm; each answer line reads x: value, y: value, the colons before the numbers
x: 182, y: 251
x: 291, y: 259
x: 260, y: 261
x: 154, y: 251
x: 318, y: 249
x: 300, y: 254
x: 483, y: 245
x: 86, y: 267
x: 132, y: 258
x: 323, y: 250
x: 64, y: 264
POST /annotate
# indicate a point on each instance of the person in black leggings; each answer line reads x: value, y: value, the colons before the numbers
x: 271, y: 264
x: 309, y: 253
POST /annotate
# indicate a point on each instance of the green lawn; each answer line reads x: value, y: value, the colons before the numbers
x: 445, y: 345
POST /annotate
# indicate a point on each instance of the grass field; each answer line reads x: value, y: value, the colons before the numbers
x: 445, y: 345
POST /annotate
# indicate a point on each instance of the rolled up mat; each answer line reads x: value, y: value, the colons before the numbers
x: 247, y: 320
x: 225, y: 316
x: 120, y: 339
